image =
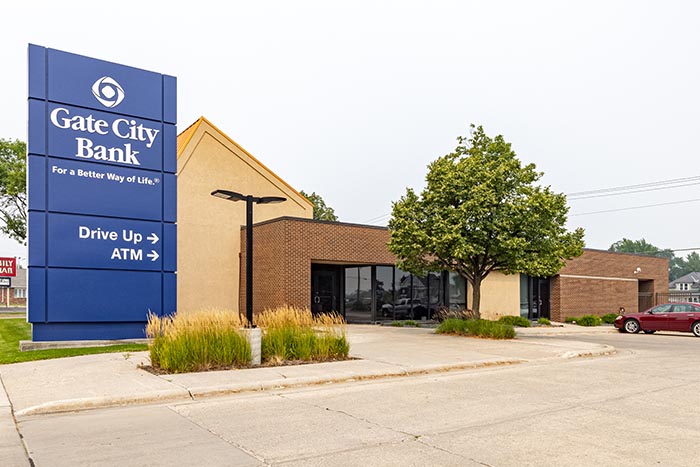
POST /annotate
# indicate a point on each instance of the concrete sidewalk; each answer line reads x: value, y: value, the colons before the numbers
x: 105, y: 380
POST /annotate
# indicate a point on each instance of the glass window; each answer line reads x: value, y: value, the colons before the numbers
x: 385, y: 292
x: 20, y: 293
x: 436, y: 292
x: 402, y: 294
x: 662, y: 309
x: 420, y: 298
x: 351, y: 283
x: 456, y: 291
x: 402, y: 283
x: 524, y: 295
x: 358, y: 294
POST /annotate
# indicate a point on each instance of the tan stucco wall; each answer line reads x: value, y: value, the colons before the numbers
x: 209, y: 228
x: 500, y: 295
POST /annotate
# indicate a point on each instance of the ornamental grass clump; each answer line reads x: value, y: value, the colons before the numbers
x: 476, y: 328
x: 292, y: 334
x: 198, y: 341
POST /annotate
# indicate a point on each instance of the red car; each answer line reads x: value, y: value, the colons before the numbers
x: 682, y: 317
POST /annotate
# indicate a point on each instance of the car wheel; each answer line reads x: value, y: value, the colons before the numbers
x: 696, y: 328
x: 649, y: 332
x: 632, y: 326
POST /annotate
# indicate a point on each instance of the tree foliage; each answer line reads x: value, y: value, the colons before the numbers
x: 321, y: 211
x: 482, y: 211
x: 678, y: 266
x: 641, y: 247
x: 13, y: 189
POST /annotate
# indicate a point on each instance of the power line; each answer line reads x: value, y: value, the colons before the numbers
x: 631, y: 192
x: 612, y: 191
x: 673, y: 181
x: 635, y: 207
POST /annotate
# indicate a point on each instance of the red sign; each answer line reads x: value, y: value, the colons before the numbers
x: 8, y: 267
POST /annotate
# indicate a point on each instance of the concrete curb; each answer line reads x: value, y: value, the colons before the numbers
x: 182, y: 393
x: 526, y: 332
x: 87, y: 403
x: 288, y: 383
x: 25, y: 346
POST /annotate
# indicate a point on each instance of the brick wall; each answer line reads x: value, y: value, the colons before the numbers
x: 12, y: 300
x: 286, y: 247
x: 600, y: 282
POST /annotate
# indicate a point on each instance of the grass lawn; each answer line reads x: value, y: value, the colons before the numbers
x: 14, y: 330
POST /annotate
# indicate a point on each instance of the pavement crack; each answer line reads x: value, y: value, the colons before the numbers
x: 347, y: 414
x: 221, y: 437
x: 422, y: 441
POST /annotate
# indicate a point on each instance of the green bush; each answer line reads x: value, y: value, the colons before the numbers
x: 544, y: 321
x: 398, y: 324
x: 515, y: 321
x: 589, y: 320
x: 570, y: 319
x: 476, y: 328
x: 609, y: 318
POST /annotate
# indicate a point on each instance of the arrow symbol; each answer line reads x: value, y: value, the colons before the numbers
x: 153, y: 255
x: 153, y: 238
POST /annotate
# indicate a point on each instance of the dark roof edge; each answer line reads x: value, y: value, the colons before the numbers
x: 315, y: 221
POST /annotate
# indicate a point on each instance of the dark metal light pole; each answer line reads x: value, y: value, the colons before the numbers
x: 249, y: 201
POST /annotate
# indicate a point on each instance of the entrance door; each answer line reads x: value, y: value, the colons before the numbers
x: 543, y: 297
x: 325, y: 289
x: 538, y: 300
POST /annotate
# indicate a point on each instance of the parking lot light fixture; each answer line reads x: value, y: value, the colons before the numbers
x: 249, y: 200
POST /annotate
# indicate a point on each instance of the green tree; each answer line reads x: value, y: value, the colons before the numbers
x: 321, y: 211
x: 13, y: 189
x: 692, y: 263
x: 482, y: 211
x: 677, y: 266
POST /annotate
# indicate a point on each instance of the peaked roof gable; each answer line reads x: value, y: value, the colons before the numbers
x: 185, y: 138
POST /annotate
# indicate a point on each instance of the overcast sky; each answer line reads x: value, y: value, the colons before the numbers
x: 353, y: 99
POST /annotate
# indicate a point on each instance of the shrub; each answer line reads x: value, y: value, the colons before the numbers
x: 570, y: 319
x: 609, y: 318
x: 398, y: 324
x: 290, y: 333
x: 198, y: 341
x: 544, y: 321
x: 515, y: 321
x: 476, y: 328
x: 446, y: 313
x: 589, y: 320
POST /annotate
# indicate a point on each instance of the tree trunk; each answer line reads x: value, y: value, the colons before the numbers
x: 476, y: 297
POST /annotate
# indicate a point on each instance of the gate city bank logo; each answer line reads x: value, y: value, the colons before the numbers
x: 108, y: 92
